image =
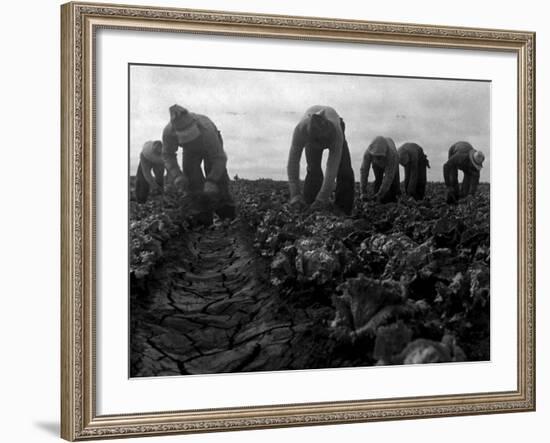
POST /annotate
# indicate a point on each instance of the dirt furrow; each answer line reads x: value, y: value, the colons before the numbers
x: 210, y: 308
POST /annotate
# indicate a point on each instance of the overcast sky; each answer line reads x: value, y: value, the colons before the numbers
x: 256, y: 112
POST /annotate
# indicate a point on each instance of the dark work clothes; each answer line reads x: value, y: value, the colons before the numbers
x: 382, y: 156
x: 459, y: 159
x: 321, y: 128
x: 393, y: 192
x: 192, y: 169
x: 345, y: 180
x: 143, y: 177
x: 207, y: 148
x: 415, y: 162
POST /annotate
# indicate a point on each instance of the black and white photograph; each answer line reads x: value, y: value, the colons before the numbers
x: 284, y: 220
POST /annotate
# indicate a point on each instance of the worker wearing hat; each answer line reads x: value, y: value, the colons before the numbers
x: 321, y: 128
x: 415, y: 162
x: 201, y: 142
x: 463, y: 157
x: 382, y: 155
x: 150, y: 159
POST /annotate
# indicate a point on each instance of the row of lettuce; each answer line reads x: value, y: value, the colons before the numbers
x: 408, y: 282
x: 152, y: 225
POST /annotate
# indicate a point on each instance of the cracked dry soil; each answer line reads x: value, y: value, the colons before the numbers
x: 210, y: 309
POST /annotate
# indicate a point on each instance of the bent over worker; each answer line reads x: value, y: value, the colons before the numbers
x: 415, y: 162
x: 463, y: 157
x: 201, y: 142
x: 382, y: 154
x: 150, y: 159
x: 321, y: 128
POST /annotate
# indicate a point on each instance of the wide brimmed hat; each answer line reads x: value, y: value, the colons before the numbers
x: 150, y: 153
x: 183, y: 124
x: 477, y: 157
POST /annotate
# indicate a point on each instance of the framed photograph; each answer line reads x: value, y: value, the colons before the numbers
x: 282, y: 221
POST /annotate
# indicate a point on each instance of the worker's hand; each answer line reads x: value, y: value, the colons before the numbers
x: 320, y: 205
x: 210, y: 188
x: 407, y: 199
x: 469, y: 198
x: 155, y: 188
x: 180, y: 182
x: 452, y: 198
x: 297, y: 202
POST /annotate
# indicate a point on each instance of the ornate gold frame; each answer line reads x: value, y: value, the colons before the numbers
x: 78, y: 416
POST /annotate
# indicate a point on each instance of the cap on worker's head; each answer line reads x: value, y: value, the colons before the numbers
x: 183, y: 124
x: 378, y: 147
x: 477, y: 157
